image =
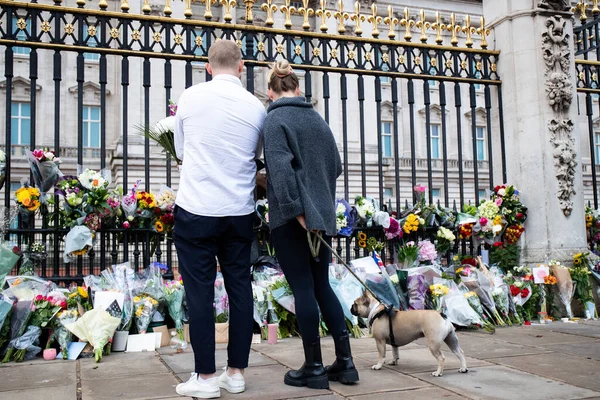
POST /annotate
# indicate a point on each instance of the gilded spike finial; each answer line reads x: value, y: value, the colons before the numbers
x: 595, y: 8
x: 208, y: 12
x: 469, y: 30
x: 306, y: 12
x: 124, y: 5
x: 146, y: 9
x: 81, y: 3
x: 454, y: 28
x: 324, y: 14
x: 581, y: 8
x: 423, y: 25
x: 483, y: 32
x: 341, y: 16
x: 287, y: 10
x: 407, y: 23
x: 229, y: 4
x: 167, y: 9
x: 270, y: 8
x: 249, y: 16
x: 357, y: 18
x: 375, y: 20
x: 391, y: 22
x: 103, y: 4
x: 188, y: 9
x: 438, y: 27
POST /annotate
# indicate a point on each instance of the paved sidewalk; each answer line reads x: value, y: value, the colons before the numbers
x: 557, y: 361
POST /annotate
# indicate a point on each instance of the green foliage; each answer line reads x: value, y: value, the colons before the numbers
x: 506, y: 256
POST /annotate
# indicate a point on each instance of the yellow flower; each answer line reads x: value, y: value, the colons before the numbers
x: 577, y: 261
x: 139, y: 311
x: 578, y: 255
x: 362, y: 243
x: 362, y: 236
x: 458, y: 271
x: 72, y: 295
x: 498, y: 220
x: 137, y: 299
x: 82, y: 292
x: 159, y: 226
x: 588, y: 218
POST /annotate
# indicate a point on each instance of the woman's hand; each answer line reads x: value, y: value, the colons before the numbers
x: 301, y: 221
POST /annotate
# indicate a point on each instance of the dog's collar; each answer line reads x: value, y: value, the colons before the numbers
x: 375, y: 313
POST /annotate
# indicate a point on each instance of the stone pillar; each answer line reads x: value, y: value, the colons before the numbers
x: 537, y: 69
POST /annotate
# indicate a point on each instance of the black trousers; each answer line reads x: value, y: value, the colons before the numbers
x: 198, y: 240
x: 309, y: 281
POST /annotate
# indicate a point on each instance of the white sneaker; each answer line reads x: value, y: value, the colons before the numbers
x: 233, y: 384
x: 200, y: 388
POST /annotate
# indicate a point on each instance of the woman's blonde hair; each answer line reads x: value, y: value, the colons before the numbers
x: 282, y: 77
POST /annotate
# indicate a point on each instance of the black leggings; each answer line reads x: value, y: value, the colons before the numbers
x: 309, y: 280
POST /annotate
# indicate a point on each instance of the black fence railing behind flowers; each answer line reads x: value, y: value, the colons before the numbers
x: 422, y: 105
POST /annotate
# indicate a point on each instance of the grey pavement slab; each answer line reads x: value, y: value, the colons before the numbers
x: 122, y: 364
x: 584, y: 328
x: 486, y: 347
x: 420, y: 360
x: 322, y: 397
x: 184, y: 362
x: 66, y: 392
x: 563, y: 367
x: 532, y: 336
x: 427, y: 393
x: 146, y: 386
x: 586, y: 350
x: 497, y: 382
x: 33, y: 376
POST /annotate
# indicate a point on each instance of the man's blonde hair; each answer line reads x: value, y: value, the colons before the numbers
x: 224, y: 54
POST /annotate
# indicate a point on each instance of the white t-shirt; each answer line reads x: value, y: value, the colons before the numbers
x: 218, y: 134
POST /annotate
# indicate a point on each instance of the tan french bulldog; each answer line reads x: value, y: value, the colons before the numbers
x: 408, y: 326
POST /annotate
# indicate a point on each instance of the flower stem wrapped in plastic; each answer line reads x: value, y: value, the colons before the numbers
x: 62, y: 334
x: 44, y: 168
x: 144, y: 307
x: 96, y: 327
x: 501, y: 299
x: 475, y: 304
x: 438, y: 290
x: 174, y: 293
x: 78, y: 242
x: 564, y: 284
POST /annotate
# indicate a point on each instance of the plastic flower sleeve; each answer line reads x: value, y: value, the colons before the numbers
x: 45, y: 174
x: 63, y: 335
x: 96, y: 327
x: 78, y: 242
x: 565, y: 286
x: 26, y: 344
x: 458, y: 310
x: 221, y: 300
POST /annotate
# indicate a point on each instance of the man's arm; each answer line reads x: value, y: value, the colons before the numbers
x: 178, y: 134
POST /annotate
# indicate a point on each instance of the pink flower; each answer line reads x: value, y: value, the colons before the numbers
x: 427, y: 251
x: 39, y: 297
x: 126, y: 224
x: 420, y: 189
x: 39, y: 154
x: 63, y: 304
x: 483, y: 221
x: 499, y: 201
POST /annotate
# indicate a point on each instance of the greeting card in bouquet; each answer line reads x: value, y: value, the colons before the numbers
x: 539, y: 273
x: 104, y: 300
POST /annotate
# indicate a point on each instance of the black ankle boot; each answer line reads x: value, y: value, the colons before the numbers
x: 343, y: 369
x: 312, y: 374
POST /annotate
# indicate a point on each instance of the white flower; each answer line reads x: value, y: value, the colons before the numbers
x: 341, y: 209
x: 91, y: 179
x: 49, y: 155
x: 167, y: 124
x: 73, y: 199
x: 2, y: 156
x: 447, y: 234
x: 421, y: 221
x: 497, y: 229
x: 518, y: 284
x: 501, y: 192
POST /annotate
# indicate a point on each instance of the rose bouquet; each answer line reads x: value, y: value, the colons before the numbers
x: 366, y: 208
x: 28, y: 199
x: 444, y: 240
x: 163, y: 133
x: 96, y: 327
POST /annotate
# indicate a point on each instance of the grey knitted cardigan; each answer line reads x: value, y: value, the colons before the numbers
x: 303, y: 164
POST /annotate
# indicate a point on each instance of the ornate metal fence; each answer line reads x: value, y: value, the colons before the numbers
x: 418, y: 102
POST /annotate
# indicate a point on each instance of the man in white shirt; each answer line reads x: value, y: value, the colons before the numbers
x: 218, y: 135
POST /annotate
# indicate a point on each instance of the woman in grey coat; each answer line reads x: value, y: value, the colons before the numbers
x: 303, y: 164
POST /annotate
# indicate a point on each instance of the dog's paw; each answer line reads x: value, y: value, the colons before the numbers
x: 436, y: 374
x: 376, y: 367
x: 393, y: 362
x: 463, y: 370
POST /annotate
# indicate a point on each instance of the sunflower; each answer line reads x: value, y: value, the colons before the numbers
x: 159, y: 226
x: 362, y: 243
x: 577, y: 261
x: 362, y: 236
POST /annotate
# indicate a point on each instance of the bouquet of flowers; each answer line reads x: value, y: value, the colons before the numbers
x: 62, y: 334
x: 174, y: 293
x: 144, y: 306
x: 146, y: 204
x: 444, y: 240
x: 427, y: 253
x: 394, y: 230
x: 501, y: 300
x: 411, y: 224
x: 457, y: 309
x: 96, y: 327
x: 475, y: 304
x: 507, y: 198
x: 6, y: 306
x: 345, y: 220
x: 417, y: 291
x: 580, y: 274
x: 44, y: 168
x: 78, y: 242
x: 564, y: 284
x: 163, y: 133
x: 438, y: 290
x: 129, y: 205
x: 28, y: 199
x: 366, y: 208
x: 221, y: 301
x: 408, y: 254
x: 79, y: 298
x: 32, y: 258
